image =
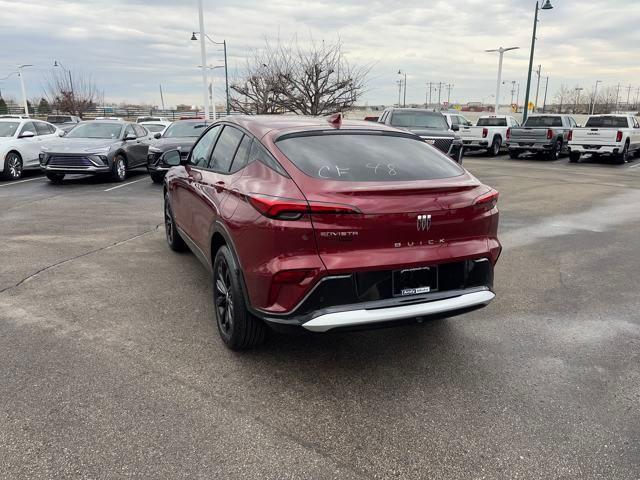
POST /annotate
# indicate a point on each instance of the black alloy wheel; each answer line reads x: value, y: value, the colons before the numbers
x: 238, y: 328
x: 554, y: 154
x: 12, y: 166
x: 175, y: 241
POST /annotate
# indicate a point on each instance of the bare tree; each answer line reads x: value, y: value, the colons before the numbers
x: 73, y: 94
x: 563, y: 97
x: 312, y: 79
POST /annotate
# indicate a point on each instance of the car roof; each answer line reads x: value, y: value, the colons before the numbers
x: 119, y: 122
x: 260, y: 125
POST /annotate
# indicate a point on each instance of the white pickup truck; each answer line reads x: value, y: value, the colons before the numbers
x: 490, y: 133
x: 611, y: 135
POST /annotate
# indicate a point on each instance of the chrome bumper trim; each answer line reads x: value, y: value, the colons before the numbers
x: 328, y: 321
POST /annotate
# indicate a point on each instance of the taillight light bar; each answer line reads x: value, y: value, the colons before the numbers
x: 487, y: 200
x: 570, y: 135
x: 549, y: 134
x: 508, y: 133
x: 485, y: 132
x: 292, y: 209
x: 619, y: 136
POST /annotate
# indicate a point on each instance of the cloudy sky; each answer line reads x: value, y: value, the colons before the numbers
x: 129, y: 47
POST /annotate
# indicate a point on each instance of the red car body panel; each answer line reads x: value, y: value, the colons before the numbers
x: 382, y: 236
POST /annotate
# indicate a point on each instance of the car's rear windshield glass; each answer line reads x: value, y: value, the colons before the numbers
x: 95, y: 130
x: 58, y: 119
x: 543, y: 122
x: 607, y: 122
x: 357, y: 157
x: 492, y: 122
x: 153, y: 128
x: 147, y: 119
x: 419, y: 120
x: 187, y: 129
x: 8, y: 129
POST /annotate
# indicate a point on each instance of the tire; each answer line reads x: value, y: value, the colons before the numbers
x: 494, y: 151
x: 175, y: 241
x: 623, y: 157
x: 554, y: 153
x: 156, y: 177
x: 118, y: 169
x: 574, y: 157
x: 55, y: 177
x: 238, y: 329
x: 12, y: 166
x: 514, y: 154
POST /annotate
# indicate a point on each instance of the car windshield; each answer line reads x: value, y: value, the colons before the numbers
x: 492, y: 122
x: 184, y: 129
x: 8, y: 129
x: 366, y: 157
x: 58, y: 119
x: 153, y: 127
x: 419, y: 120
x: 96, y: 130
x: 607, y: 122
x: 543, y: 122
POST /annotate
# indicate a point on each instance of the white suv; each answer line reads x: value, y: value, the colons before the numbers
x: 20, y: 142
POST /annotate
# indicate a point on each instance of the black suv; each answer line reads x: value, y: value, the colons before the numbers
x: 430, y: 126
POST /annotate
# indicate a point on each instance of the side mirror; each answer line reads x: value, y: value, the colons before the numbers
x: 171, y: 158
x: 129, y: 136
x: 62, y: 133
x: 455, y: 128
x: 157, y: 135
x: 27, y: 134
x: 579, y: 125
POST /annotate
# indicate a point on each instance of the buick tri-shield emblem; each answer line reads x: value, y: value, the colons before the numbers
x: 423, y: 223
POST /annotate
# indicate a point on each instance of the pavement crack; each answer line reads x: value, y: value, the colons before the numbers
x: 68, y: 260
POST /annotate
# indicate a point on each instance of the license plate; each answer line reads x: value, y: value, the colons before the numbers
x: 414, y: 281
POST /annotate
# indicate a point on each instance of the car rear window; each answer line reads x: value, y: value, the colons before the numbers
x: 362, y: 157
x: 607, y: 122
x: 492, y: 122
x: 543, y: 122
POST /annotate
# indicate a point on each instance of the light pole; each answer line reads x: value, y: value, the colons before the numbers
x: 399, y: 92
x: 595, y: 96
x: 578, y: 90
x: 404, y: 102
x: 212, y: 96
x: 56, y: 63
x: 226, y: 73
x: 24, y: 92
x: 203, y: 54
x: 544, y: 103
x: 545, y: 6
x: 501, y: 51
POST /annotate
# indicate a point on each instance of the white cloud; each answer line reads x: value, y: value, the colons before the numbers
x: 129, y: 47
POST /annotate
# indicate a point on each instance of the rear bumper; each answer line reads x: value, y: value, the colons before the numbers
x: 601, y: 149
x: 366, y: 300
x: 363, y: 316
x: 529, y: 147
x: 479, y: 144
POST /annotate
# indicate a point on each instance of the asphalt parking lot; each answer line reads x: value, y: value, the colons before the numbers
x: 112, y: 366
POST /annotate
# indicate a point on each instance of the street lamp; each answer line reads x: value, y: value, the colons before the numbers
x: 404, y: 102
x: 203, y: 54
x: 499, y: 82
x: 226, y: 74
x: 56, y: 63
x: 595, y: 93
x: 24, y: 92
x: 545, y: 6
x: 578, y: 90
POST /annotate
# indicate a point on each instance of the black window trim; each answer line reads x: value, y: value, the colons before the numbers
x: 228, y: 172
x: 210, y: 151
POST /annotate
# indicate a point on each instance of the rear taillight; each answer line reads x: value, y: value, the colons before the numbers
x: 508, y: 133
x: 485, y: 132
x: 549, y: 134
x: 290, y: 277
x: 619, y: 136
x: 487, y: 200
x: 570, y: 135
x: 292, y: 209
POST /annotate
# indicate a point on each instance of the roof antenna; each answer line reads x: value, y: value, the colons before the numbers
x: 335, y: 120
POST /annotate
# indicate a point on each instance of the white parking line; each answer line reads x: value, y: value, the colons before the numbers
x: 634, y: 166
x: 21, y: 181
x: 125, y: 184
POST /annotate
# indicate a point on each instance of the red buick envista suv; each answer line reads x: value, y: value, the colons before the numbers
x: 327, y: 225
